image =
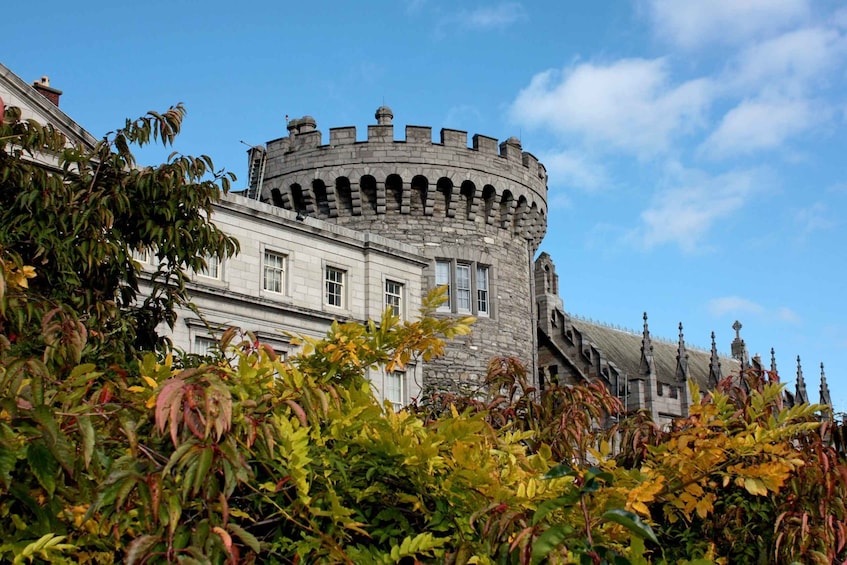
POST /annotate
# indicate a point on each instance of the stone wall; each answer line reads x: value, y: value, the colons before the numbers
x: 483, y: 205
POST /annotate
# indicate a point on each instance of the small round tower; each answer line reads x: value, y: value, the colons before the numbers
x: 477, y: 212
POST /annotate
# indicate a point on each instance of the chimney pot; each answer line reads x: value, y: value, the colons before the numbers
x: 43, y: 86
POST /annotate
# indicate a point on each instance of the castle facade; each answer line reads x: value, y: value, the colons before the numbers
x: 344, y: 229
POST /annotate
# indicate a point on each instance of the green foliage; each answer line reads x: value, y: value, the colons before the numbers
x: 76, y: 214
x: 108, y: 454
x: 744, y: 479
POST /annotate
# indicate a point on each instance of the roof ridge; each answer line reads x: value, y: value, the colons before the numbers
x: 632, y: 332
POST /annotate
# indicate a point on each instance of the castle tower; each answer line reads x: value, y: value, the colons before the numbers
x: 478, y: 213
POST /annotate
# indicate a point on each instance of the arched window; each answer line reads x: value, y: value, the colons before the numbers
x: 506, y: 202
x: 276, y: 196
x: 367, y: 184
x: 420, y: 193
x: 343, y: 197
x: 393, y: 193
x: 489, y: 196
x: 298, y: 200
x: 468, y: 192
x: 444, y: 201
x: 321, y: 201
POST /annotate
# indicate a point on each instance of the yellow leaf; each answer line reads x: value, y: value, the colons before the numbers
x: 150, y: 382
x: 755, y: 486
x: 135, y: 388
x: 704, y: 506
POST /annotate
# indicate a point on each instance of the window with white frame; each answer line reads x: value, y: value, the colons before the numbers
x: 141, y: 255
x: 203, y: 345
x: 395, y: 388
x: 273, y: 272
x: 212, y: 269
x: 482, y: 297
x: 394, y: 296
x: 442, y: 278
x: 463, y: 287
x: 334, y: 287
x: 468, y: 285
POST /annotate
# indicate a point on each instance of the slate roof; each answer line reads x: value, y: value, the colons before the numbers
x: 623, y: 348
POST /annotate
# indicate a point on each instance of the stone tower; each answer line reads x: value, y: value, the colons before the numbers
x: 477, y: 212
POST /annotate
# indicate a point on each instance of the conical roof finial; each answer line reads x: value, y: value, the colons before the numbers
x: 825, y: 397
x: 801, y: 397
x: 773, y: 362
x: 681, y: 359
x: 647, y: 368
x: 714, y: 365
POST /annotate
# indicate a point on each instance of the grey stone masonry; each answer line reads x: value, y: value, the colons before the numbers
x: 479, y: 211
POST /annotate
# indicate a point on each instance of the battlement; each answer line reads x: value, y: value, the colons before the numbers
x: 477, y: 213
x: 490, y: 186
x: 304, y: 136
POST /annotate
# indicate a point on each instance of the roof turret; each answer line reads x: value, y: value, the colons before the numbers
x: 383, y: 116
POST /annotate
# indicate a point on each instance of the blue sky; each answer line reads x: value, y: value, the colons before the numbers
x: 695, y: 150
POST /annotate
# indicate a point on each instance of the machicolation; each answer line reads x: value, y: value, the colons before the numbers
x: 478, y: 212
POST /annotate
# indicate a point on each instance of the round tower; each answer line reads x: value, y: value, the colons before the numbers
x: 477, y: 212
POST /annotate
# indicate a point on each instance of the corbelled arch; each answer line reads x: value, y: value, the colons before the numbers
x: 368, y: 190
x: 445, y: 204
x: 490, y: 203
x: 393, y: 193
x: 469, y: 197
x: 421, y: 198
x: 323, y: 208
x: 507, y: 208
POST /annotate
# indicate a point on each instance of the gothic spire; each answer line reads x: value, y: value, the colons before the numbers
x: 647, y: 368
x: 825, y: 397
x: 714, y: 365
x: 681, y: 359
x: 682, y: 374
x: 774, y: 373
x: 801, y: 397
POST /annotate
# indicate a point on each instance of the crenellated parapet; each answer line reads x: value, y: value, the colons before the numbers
x: 497, y: 186
x: 476, y: 211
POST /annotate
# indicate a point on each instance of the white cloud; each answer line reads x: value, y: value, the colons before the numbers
x: 813, y: 218
x: 683, y: 214
x: 575, y: 169
x: 488, y: 16
x: 756, y: 125
x: 558, y: 200
x: 737, y: 306
x: 791, y: 63
x: 786, y: 314
x: 838, y: 188
x: 630, y: 104
x: 692, y: 24
x: 733, y: 305
x: 462, y: 116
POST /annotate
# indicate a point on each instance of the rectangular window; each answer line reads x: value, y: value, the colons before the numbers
x: 334, y: 287
x: 213, y: 268
x: 274, y: 272
x: 395, y: 392
x: 482, y: 304
x: 463, y: 288
x: 468, y: 287
x: 394, y: 296
x: 442, y: 278
x: 141, y: 255
x: 203, y: 345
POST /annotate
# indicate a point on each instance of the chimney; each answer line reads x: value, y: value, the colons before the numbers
x: 43, y: 86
